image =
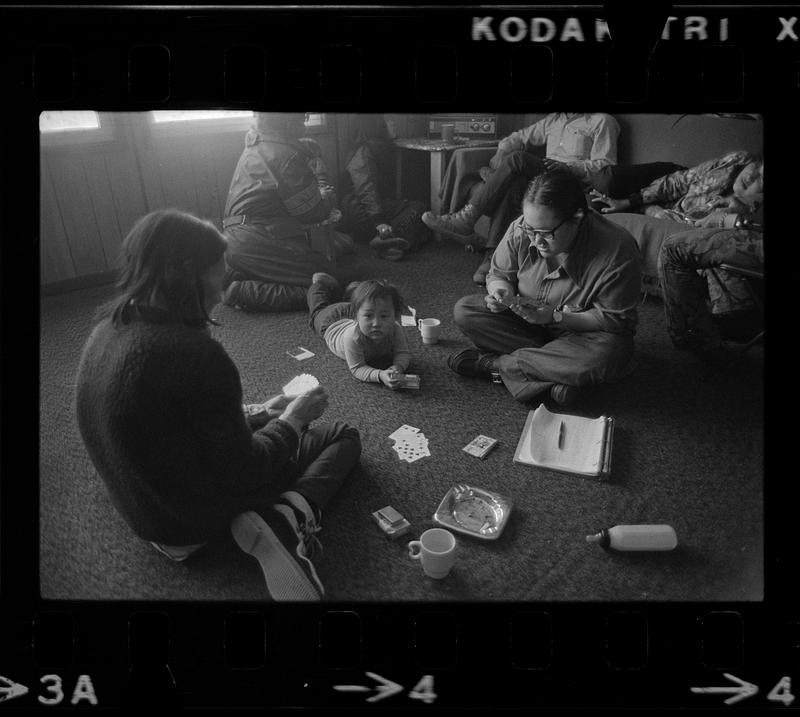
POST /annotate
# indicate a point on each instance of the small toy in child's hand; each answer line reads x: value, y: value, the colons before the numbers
x: 411, y: 380
x: 480, y: 446
x: 391, y: 522
x: 300, y: 353
x: 300, y: 384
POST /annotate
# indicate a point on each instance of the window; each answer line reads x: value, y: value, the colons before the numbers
x: 64, y: 129
x: 189, y: 115
x: 61, y: 121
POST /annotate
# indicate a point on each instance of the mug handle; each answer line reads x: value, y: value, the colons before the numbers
x: 414, y: 544
x: 419, y: 324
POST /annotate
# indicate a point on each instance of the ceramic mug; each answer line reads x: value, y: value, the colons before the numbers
x: 430, y: 329
x: 436, y: 551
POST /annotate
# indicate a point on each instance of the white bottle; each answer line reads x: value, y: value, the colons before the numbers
x: 636, y: 537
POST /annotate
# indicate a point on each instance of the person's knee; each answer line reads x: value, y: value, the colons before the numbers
x: 345, y: 433
x: 521, y: 162
x: 464, y: 311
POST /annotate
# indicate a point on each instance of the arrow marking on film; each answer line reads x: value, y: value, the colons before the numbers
x: 745, y: 690
x: 386, y: 688
x: 9, y: 690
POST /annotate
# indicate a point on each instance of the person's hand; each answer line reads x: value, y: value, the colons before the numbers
x: 553, y: 165
x: 276, y: 405
x: 612, y: 205
x: 498, y: 298
x: 485, y: 173
x: 392, y: 377
x: 712, y: 220
x: 532, y: 312
x: 327, y: 191
x: 384, y: 230
x: 306, y: 407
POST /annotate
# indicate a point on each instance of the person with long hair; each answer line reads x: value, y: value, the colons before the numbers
x: 273, y: 203
x: 560, y: 309
x: 159, y: 408
x: 370, y: 212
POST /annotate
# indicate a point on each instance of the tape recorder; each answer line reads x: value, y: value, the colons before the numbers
x: 476, y: 125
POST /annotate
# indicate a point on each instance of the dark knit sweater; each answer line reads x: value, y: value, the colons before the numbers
x: 160, y: 411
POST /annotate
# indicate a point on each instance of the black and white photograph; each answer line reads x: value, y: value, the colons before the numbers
x: 231, y: 302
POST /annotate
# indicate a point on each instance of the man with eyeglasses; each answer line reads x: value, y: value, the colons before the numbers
x: 560, y: 311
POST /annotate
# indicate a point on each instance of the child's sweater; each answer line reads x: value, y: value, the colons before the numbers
x: 344, y: 339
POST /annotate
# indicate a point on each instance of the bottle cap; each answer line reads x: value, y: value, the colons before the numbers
x: 602, y: 538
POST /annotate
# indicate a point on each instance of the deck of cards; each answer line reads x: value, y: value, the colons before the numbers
x: 300, y: 353
x: 480, y: 446
x: 409, y: 444
x: 409, y: 319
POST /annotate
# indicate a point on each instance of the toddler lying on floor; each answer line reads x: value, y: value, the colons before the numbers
x: 364, y: 329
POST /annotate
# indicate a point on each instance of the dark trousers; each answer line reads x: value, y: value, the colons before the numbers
x: 533, y: 358
x: 323, y: 309
x: 500, y: 197
x: 328, y: 452
x: 685, y: 292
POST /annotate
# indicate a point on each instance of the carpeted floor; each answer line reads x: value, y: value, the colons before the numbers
x: 688, y: 451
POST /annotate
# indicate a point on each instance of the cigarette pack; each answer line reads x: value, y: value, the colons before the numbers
x: 391, y: 522
x: 480, y: 446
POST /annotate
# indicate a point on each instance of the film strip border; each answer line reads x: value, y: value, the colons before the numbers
x: 714, y: 58
x: 485, y: 657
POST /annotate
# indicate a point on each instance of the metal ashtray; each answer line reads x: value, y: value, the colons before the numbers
x: 474, y: 511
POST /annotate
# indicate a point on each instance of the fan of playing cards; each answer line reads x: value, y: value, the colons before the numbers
x: 409, y: 444
x: 300, y: 384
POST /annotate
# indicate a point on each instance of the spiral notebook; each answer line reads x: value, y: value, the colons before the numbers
x: 566, y: 443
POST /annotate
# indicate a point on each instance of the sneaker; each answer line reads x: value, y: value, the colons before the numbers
x: 479, y: 277
x: 305, y: 520
x: 564, y: 395
x: 471, y: 362
x: 321, y: 277
x: 273, y: 540
x: 459, y: 225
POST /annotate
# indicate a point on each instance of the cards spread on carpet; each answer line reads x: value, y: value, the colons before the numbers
x: 300, y: 384
x: 300, y: 353
x: 409, y: 443
x: 480, y: 446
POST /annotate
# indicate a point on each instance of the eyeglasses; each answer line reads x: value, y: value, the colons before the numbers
x: 549, y: 235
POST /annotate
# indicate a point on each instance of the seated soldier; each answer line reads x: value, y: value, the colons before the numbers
x: 274, y: 196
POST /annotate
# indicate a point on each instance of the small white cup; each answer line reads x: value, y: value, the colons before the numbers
x: 430, y: 330
x: 436, y: 550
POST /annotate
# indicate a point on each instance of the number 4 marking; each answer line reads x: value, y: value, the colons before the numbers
x: 782, y: 692
x: 423, y: 690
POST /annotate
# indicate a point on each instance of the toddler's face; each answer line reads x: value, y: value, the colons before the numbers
x: 376, y: 319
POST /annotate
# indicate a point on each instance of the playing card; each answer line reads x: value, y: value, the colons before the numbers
x: 300, y: 384
x: 404, y: 430
x: 300, y: 353
x: 409, y: 319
